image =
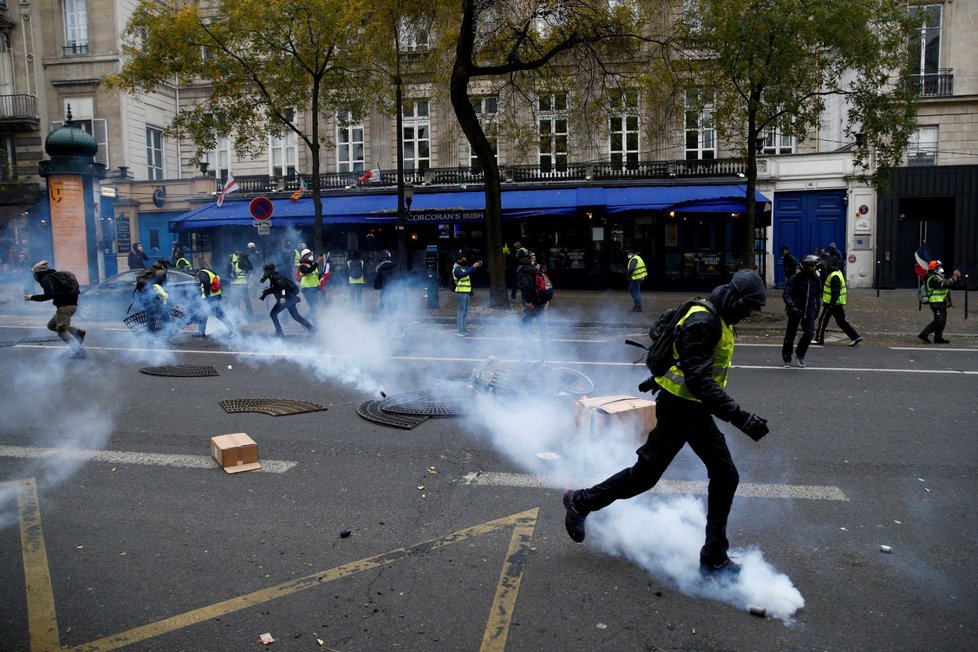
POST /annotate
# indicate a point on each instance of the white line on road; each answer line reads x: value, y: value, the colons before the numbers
x: 119, y: 457
x: 797, y: 491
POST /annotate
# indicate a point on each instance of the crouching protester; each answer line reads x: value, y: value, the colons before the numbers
x: 210, y: 303
x: 693, y: 392
x: 286, y: 294
x: 62, y: 289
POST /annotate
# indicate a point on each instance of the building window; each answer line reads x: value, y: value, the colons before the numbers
x: 76, y: 26
x: 922, y: 149
x: 349, y: 143
x: 412, y: 35
x: 925, y: 48
x: 624, y: 133
x: 83, y: 116
x: 776, y: 142
x: 486, y: 109
x: 416, y: 135
x: 552, y: 124
x: 154, y: 153
x: 282, y: 155
x: 219, y: 158
x: 701, y: 132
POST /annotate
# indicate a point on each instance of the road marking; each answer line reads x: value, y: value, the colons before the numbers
x: 497, y: 627
x: 747, y: 489
x: 811, y: 367
x: 42, y: 620
x: 120, y: 457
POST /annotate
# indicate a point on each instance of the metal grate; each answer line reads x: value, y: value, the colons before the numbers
x: 371, y: 411
x: 181, y: 370
x: 513, y: 380
x: 277, y: 407
x: 429, y: 403
x: 138, y: 322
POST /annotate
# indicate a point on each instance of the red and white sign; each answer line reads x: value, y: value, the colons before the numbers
x: 852, y: 258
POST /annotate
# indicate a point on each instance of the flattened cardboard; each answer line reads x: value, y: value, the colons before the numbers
x: 629, y: 414
x: 235, y: 452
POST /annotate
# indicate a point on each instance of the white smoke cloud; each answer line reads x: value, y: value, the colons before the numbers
x: 663, y: 535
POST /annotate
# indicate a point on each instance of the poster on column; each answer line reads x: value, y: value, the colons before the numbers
x: 67, y: 197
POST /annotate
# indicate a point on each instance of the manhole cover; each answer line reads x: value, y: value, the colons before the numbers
x: 181, y: 370
x: 370, y: 410
x: 277, y: 407
x: 430, y: 403
x: 30, y: 340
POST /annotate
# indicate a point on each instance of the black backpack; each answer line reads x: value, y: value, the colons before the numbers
x: 244, y: 262
x: 659, y: 358
x: 64, y: 283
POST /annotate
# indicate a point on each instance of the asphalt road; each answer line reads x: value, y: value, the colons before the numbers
x: 456, y: 536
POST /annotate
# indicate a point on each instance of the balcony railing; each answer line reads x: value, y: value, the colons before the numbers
x: 921, y: 159
x: 529, y: 174
x: 70, y: 49
x: 19, y: 112
x: 934, y: 84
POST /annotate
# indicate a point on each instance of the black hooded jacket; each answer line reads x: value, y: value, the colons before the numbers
x: 698, y: 337
x: 52, y: 291
x: 280, y: 287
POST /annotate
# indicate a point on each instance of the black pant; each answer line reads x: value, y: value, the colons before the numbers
x: 807, y: 332
x: 290, y: 305
x: 838, y: 311
x: 679, y: 422
x: 939, y: 322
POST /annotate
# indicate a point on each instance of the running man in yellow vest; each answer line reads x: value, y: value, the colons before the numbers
x: 834, y: 304
x: 692, y: 392
x: 462, y: 278
x: 210, y: 303
x: 636, y: 274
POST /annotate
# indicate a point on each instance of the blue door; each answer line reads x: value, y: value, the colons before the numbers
x: 807, y: 222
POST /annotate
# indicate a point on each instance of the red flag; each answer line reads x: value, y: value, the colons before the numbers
x: 297, y: 195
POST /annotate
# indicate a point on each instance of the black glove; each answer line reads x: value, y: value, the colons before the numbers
x: 648, y: 385
x: 753, y: 426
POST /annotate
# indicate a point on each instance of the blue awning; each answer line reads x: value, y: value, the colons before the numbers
x: 469, y: 206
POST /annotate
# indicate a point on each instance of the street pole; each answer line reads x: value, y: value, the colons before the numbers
x: 401, y: 233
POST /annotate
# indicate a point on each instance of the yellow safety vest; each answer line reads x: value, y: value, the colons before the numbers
x: 463, y: 284
x: 935, y: 295
x: 827, y: 289
x: 210, y: 281
x: 356, y: 279
x: 639, y: 272
x: 310, y: 280
x: 240, y: 275
x: 675, y: 383
x: 160, y: 292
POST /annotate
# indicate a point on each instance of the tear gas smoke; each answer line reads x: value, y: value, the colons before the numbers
x: 663, y: 535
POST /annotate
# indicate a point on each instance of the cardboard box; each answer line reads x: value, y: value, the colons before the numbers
x: 236, y: 452
x: 627, y: 414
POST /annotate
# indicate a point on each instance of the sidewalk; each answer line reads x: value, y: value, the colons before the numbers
x: 892, y: 313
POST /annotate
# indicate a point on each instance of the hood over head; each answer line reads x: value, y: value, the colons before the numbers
x: 744, y: 294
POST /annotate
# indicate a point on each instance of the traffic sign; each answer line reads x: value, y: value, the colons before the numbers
x: 261, y: 208
x: 264, y: 228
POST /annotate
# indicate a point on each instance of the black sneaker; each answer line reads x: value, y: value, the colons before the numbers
x: 727, y: 568
x: 856, y: 341
x: 573, y: 521
x: 924, y: 338
x: 941, y: 341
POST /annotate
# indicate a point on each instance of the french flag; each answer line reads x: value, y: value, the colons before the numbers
x: 921, y: 260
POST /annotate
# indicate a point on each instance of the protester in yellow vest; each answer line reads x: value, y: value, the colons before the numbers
x: 938, y: 297
x: 309, y: 284
x: 834, y: 304
x: 462, y: 277
x: 693, y: 393
x: 355, y: 279
x: 237, y: 289
x: 636, y: 274
x: 210, y: 303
